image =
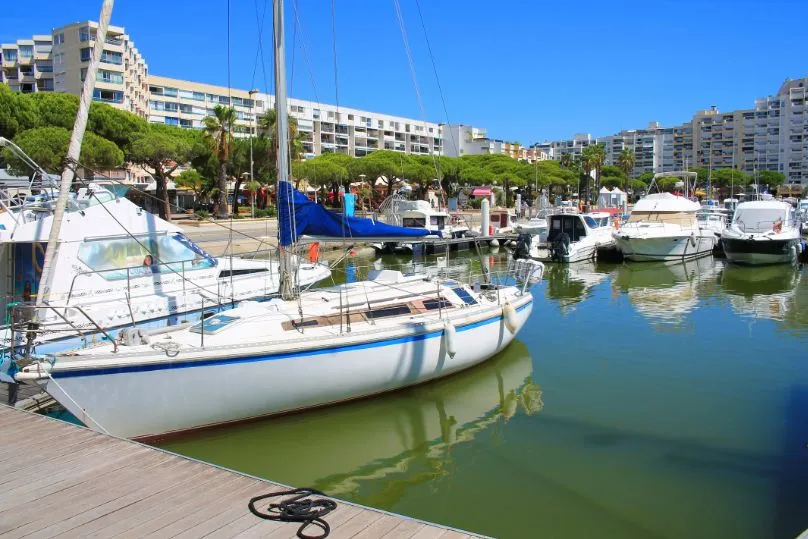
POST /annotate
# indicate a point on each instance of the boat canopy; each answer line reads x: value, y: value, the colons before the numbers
x: 665, y: 202
x: 312, y: 219
x: 680, y: 218
x: 760, y: 217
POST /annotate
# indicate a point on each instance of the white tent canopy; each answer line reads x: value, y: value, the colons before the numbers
x: 153, y: 186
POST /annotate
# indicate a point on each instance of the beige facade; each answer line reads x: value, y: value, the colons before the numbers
x: 58, y: 62
x: 26, y: 65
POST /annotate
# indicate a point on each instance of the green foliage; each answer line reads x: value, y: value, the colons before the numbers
x: 726, y: 177
x: 113, y: 124
x: 772, y: 178
x: 17, y: 113
x: 202, y: 214
x: 267, y: 212
x: 48, y: 147
x: 55, y: 109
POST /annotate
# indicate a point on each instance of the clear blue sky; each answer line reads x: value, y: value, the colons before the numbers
x: 526, y: 70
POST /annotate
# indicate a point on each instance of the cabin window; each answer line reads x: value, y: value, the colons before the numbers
x: 143, y: 256
x: 437, y: 220
x: 590, y: 221
x: 413, y: 222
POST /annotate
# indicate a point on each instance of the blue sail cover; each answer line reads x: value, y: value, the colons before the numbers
x: 297, y: 215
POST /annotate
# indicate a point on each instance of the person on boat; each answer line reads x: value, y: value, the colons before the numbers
x: 150, y: 265
x: 778, y: 225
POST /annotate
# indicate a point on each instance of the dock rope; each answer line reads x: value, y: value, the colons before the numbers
x: 309, y: 512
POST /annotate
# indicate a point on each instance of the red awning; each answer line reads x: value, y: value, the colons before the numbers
x: 481, y: 192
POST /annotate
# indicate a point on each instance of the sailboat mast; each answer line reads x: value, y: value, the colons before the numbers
x: 284, y: 191
x: 73, y: 152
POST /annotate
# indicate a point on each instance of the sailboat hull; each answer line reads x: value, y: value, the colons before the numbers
x: 245, y: 384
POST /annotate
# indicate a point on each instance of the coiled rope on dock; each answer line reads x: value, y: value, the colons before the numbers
x: 297, y: 508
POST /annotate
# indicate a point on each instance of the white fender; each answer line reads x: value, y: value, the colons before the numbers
x: 509, y: 315
x: 794, y: 253
x: 450, y: 335
x: 494, y: 243
x: 693, y: 239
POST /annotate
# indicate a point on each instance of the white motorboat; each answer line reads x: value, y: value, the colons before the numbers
x: 762, y: 232
x: 714, y: 219
x: 309, y: 349
x: 573, y: 237
x: 118, y: 265
x: 418, y: 214
x: 663, y: 226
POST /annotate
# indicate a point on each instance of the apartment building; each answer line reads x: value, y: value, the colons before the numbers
x: 186, y: 104
x: 459, y: 140
x: 26, y: 66
x: 58, y: 63
x: 771, y: 136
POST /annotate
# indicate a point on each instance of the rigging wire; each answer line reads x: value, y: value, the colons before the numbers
x: 400, y: 17
x: 435, y: 70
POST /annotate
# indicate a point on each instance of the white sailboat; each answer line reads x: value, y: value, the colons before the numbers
x: 306, y: 350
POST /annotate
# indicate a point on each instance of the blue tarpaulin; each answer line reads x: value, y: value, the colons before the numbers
x: 297, y: 215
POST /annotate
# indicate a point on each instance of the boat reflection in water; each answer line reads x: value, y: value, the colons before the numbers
x: 404, y: 437
x: 664, y: 292
x: 761, y: 291
x: 570, y: 284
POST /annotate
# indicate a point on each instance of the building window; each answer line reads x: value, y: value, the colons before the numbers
x: 44, y: 68
x: 84, y: 34
x: 198, y: 96
x: 27, y: 71
x: 85, y: 54
x: 26, y: 52
x: 316, y: 114
x: 108, y: 96
x: 109, y: 76
x: 172, y: 121
x: 83, y: 74
x: 170, y: 92
x: 223, y: 100
x: 186, y: 123
x: 156, y: 90
x: 58, y: 39
x: 10, y: 55
x: 110, y: 57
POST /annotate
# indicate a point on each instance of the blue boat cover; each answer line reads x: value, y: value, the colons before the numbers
x: 297, y: 215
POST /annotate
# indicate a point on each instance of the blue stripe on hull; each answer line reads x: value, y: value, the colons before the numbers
x: 272, y: 357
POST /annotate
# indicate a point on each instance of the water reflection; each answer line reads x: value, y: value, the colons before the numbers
x: 761, y: 292
x: 405, y: 438
x: 664, y: 292
x: 570, y: 284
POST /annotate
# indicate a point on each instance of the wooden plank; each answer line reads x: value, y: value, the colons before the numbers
x: 61, y: 480
x: 407, y: 529
x: 380, y: 528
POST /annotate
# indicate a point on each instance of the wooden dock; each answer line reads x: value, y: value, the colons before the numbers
x: 58, y: 479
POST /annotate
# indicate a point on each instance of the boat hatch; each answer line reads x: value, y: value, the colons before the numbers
x: 463, y: 294
x: 214, y: 324
x: 236, y: 272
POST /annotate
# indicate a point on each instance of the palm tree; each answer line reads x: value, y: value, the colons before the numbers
x: 626, y: 164
x: 267, y: 127
x: 566, y: 160
x: 219, y: 130
x: 592, y: 158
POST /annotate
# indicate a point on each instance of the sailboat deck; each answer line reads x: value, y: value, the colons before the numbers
x: 63, y: 480
x: 322, y: 315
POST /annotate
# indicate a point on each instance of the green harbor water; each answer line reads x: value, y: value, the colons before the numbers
x: 639, y: 401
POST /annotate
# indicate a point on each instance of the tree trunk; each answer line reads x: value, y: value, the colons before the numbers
x: 586, y: 193
x: 222, y: 196
x: 164, y: 208
x: 236, y: 189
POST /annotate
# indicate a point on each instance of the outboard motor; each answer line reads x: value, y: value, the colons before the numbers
x: 523, y: 243
x: 560, y: 247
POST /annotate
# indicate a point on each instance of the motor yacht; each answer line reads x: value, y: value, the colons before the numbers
x: 763, y: 232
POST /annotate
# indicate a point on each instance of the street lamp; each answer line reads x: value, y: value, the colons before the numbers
x: 252, y: 128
